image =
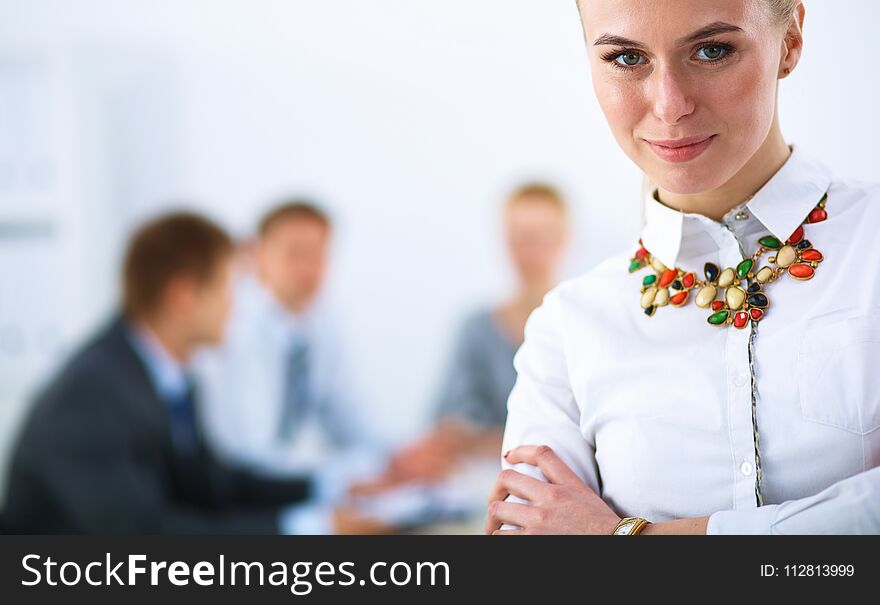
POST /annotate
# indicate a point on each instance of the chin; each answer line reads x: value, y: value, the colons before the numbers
x: 215, y: 339
x: 688, y: 184
x: 689, y: 179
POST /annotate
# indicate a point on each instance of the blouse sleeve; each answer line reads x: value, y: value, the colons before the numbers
x: 466, y: 394
x: 850, y: 506
x: 541, y: 408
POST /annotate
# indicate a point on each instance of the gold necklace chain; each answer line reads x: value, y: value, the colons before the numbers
x: 739, y: 305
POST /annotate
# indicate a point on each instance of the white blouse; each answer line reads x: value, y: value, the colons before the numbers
x: 655, y: 413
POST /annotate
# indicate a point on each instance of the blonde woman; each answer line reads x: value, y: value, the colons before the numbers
x: 719, y: 377
x: 472, y: 407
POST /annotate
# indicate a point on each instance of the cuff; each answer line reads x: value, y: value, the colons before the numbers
x: 754, y: 521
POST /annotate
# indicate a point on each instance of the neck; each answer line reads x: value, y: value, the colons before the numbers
x: 531, y: 293
x: 714, y: 204
x: 170, y: 336
x: 295, y: 306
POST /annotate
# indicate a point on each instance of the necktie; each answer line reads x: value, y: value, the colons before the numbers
x: 182, y: 416
x: 296, y: 389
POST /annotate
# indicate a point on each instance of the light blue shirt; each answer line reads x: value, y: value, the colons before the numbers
x: 166, y: 373
x: 243, y: 384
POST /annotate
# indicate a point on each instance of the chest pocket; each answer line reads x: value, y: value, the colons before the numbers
x: 838, y: 372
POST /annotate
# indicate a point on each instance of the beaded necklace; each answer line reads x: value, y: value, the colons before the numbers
x: 795, y: 257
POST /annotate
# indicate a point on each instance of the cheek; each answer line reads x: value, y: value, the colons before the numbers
x: 744, y: 105
x: 625, y: 108
x: 621, y: 104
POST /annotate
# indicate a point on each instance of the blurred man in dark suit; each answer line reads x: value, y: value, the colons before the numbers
x: 112, y: 444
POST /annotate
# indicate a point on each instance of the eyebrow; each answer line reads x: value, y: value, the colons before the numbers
x: 713, y: 29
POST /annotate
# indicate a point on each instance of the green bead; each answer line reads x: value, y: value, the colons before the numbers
x: 719, y: 318
x: 770, y: 242
x: 649, y: 280
x: 635, y: 266
x: 744, y: 267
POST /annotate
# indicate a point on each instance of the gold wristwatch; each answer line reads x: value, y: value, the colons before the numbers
x: 630, y: 526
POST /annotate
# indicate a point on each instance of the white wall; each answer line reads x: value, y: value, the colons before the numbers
x: 409, y: 118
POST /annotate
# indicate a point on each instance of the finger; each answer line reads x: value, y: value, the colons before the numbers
x: 551, y: 465
x: 492, y: 523
x: 510, y: 513
x: 499, y: 491
x: 512, y: 482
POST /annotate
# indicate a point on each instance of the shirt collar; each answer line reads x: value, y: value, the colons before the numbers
x: 780, y: 206
x: 167, y: 374
x: 293, y: 326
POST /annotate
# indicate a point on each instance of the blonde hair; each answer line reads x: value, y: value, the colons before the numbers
x: 782, y: 10
x: 538, y: 191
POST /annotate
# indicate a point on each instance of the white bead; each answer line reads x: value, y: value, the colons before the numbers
x: 706, y: 296
x: 648, y: 297
x: 735, y: 298
x: 662, y: 298
x: 764, y: 275
x: 727, y: 277
x: 786, y: 257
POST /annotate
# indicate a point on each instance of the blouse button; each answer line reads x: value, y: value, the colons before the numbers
x: 746, y: 468
x: 740, y: 379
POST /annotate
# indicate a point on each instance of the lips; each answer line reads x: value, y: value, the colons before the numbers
x: 680, y: 150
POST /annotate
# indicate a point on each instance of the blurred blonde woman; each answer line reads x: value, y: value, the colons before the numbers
x: 719, y: 376
x: 472, y: 404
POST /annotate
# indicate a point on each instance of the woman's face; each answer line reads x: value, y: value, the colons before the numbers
x: 687, y: 86
x: 536, y: 233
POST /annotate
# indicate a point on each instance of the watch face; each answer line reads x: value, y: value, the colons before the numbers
x: 625, y: 528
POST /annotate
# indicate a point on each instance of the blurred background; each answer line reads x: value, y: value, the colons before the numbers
x: 410, y: 121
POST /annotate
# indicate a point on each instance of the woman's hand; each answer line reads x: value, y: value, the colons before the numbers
x: 431, y: 458
x: 562, y: 505
x: 426, y: 460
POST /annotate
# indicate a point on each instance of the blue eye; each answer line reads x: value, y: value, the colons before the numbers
x: 629, y: 59
x: 712, y: 52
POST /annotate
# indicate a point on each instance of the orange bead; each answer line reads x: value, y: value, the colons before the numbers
x: 817, y: 215
x: 668, y: 277
x: 801, y: 271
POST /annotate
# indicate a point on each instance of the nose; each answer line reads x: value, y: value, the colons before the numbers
x: 672, y: 97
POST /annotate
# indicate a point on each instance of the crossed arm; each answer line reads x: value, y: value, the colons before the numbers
x: 561, y: 505
x: 565, y: 505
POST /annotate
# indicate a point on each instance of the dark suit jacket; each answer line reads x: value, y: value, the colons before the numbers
x: 96, y: 456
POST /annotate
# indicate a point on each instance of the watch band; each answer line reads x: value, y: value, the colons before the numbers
x: 630, y: 526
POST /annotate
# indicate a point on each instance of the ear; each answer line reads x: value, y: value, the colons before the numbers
x: 180, y: 292
x: 793, y: 43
